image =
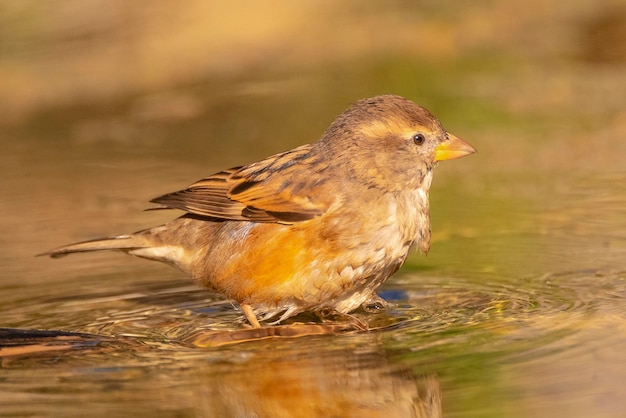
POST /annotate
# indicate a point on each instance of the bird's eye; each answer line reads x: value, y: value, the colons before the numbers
x: 419, y: 139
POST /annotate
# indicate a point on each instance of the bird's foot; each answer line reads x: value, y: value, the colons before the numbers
x: 355, y: 321
x: 374, y: 304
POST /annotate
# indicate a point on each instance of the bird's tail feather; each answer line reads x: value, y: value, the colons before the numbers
x: 124, y: 243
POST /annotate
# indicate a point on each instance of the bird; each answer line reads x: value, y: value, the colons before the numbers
x: 313, y: 229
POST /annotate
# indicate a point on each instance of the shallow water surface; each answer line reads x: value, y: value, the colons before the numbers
x: 514, y: 314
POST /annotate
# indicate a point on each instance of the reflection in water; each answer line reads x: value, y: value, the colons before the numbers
x: 462, y: 342
x: 166, y: 346
x: 308, y: 377
x: 313, y: 381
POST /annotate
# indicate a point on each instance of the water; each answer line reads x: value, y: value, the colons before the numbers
x: 517, y: 311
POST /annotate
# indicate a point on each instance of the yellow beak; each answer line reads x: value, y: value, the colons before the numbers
x: 453, y: 147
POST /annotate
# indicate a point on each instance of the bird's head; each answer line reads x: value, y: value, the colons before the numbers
x: 391, y: 142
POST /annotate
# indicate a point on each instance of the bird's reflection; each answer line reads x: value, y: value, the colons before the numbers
x: 318, y: 377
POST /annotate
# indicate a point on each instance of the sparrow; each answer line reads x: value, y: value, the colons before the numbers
x: 316, y: 228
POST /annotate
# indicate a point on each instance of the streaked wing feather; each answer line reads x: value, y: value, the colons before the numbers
x: 276, y: 189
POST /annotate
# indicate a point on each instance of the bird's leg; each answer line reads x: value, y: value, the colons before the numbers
x: 250, y: 316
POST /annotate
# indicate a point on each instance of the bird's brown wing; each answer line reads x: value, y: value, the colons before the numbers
x: 277, y: 189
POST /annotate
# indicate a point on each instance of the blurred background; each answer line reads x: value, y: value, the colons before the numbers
x: 107, y: 104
